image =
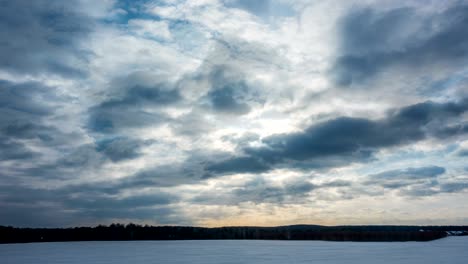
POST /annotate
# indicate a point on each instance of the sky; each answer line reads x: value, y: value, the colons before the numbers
x: 233, y: 112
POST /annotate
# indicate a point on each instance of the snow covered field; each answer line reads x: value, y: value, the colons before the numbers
x: 448, y: 250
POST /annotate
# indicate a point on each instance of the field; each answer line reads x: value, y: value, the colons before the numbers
x: 451, y: 250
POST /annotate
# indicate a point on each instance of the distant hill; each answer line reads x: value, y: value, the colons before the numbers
x: 117, y: 232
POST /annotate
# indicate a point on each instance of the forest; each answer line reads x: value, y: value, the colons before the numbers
x: 120, y: 232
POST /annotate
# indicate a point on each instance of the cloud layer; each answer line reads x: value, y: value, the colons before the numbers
x: 230, y: 112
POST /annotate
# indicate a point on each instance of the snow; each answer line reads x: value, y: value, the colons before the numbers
x: 451, y: 250
x: 455, y: 233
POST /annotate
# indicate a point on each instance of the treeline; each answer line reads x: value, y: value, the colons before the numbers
x: 116, y: 232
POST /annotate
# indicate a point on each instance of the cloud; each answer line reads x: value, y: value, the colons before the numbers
x: 121, y: 148
x: 257, y: 7
x: 193, y: 124
x: 410, y: 173
x: 227, y: 99
x: 150, y: 28
x: 344, y: 140
x: 105, y: 119
x: 262, y: 190
x: 13, y: 150
x: 23, y: 97
x: 263, y: 8
x: 44, y: 37
x: 136, y: 107
x: 25, y: 110
x: 433, y: 188
x: 81, y: 157
x: 96, y: 204
x: 395, y: 179
x: 35, y: 216
x: 229, y: 92
x: 417, y: 181
x: 73, y: 163
x: 238, y: 165
x: 221, y: 87
x: 72, y: 205
x: 452, y: 187
x: 462, y: 152
x: 166, y: 110
x: 186, y: 171
x: 372, y: 41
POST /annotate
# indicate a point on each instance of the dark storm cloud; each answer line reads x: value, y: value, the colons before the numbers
x: 43, y: 36
x: 121, y: 148
x: 344, y: 140
x: 373, y: 40
x: 127, y: 110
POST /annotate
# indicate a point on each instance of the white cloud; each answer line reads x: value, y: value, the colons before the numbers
x: 150, y: 28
